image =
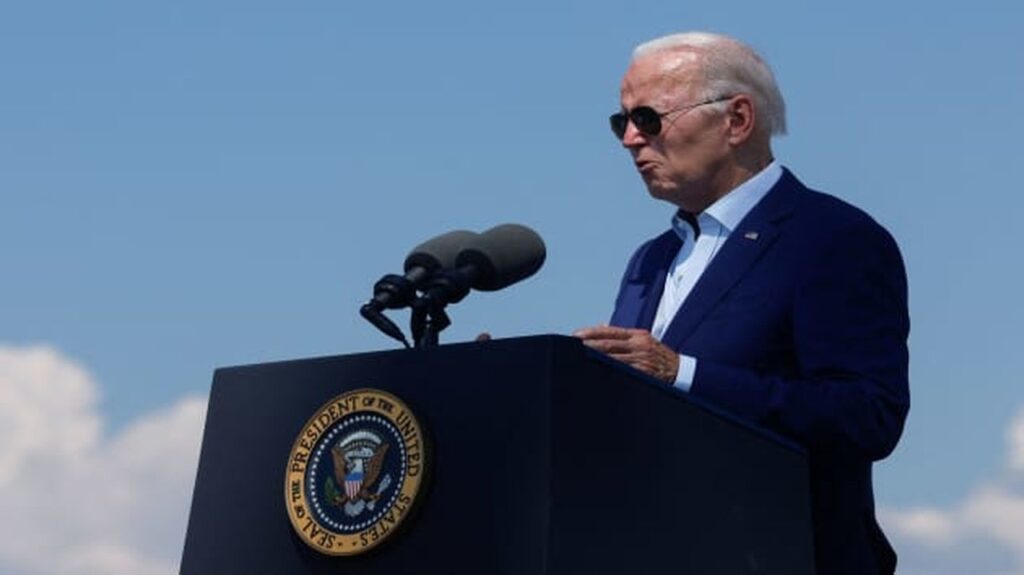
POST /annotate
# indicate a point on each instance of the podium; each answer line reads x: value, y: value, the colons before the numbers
x: 545, y: 458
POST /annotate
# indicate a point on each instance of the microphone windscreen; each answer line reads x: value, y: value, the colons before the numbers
x: 440, y: 252
x: 503, y: 255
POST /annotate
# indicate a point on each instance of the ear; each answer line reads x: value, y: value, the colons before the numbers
x: 741, y: 119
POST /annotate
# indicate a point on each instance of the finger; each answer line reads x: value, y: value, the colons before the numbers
x: 611, y: 346
x: 604, y: 332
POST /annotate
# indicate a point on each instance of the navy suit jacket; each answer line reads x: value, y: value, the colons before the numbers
x: 799, y: 324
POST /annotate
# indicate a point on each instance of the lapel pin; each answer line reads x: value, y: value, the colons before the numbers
x: 751, y: 235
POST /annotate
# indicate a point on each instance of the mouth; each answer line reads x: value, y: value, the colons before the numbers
x: 644, y: 166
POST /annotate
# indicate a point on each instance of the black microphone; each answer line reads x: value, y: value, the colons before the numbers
x: 502, y: 256
x: 495, y: 259
x: 394, y: 291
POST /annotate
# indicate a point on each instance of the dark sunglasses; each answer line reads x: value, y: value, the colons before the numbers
x: 648, y: 120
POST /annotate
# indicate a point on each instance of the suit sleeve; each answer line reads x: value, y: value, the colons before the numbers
x: 850, y: 326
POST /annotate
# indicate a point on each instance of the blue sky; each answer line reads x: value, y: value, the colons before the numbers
x: 194, y: 184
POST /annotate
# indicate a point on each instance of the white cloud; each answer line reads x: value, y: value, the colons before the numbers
x: 929, y: 526
x: 982, y: 534
x: 1015, y: 437
x: 75, y: 501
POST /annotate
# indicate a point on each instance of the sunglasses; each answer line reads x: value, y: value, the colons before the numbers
x: 648, y: 120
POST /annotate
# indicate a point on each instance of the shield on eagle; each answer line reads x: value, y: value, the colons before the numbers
x: 358, y: 459
x: 353, y: 482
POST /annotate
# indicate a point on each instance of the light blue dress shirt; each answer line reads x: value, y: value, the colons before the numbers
x: 698, y: 249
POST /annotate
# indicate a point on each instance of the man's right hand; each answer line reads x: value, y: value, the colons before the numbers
x: 636, y: 347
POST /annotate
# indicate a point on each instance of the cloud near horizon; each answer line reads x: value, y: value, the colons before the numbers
x: 981, y: 534
x: 77, y: 501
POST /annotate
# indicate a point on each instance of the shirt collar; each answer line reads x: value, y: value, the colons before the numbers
x: 731, y: 208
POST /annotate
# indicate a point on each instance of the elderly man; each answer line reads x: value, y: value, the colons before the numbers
x: 780, y: 304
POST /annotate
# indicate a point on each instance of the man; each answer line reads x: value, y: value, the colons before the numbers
x: 780, y: 304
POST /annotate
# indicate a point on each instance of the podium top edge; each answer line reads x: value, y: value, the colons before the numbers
x: 553, y: 338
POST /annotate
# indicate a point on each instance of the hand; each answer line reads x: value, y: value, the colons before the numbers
x: 636, y: 347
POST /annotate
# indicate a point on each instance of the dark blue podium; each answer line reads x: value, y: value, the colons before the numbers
x: 547, y: 458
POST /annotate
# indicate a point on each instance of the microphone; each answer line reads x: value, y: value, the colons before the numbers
x: 502, y: 256
x: 495, y: 259
x: 395, y: 291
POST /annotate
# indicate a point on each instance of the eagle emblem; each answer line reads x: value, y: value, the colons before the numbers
x: 358, y: 460
x: 355, y: 472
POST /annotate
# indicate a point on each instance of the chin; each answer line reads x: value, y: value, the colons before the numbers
x: 666, y: 193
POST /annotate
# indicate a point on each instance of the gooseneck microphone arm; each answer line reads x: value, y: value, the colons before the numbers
x: 392, y: 291
x: 376, y: 316
x: 428, y: 316
x: 495, y: 259
x: 395, y: 292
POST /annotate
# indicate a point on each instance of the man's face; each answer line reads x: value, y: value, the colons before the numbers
x: 681, y: 163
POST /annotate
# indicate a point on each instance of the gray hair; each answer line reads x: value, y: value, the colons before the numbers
x: 730, y: 67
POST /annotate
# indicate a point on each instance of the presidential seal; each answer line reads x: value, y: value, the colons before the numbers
x: 354, y: 472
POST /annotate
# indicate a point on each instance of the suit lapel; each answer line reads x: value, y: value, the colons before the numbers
x: 751, y: 238
x: 652, y: 274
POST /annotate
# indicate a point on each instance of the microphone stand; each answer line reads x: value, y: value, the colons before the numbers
x: 428, y: 318
x: 391, y: 291
x: 427, y: 322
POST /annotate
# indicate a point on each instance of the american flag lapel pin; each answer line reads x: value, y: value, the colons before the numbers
x: 751, y: 235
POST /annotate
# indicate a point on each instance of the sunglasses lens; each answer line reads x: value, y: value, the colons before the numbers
x: 618, y: 123
x: 645, y: 118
